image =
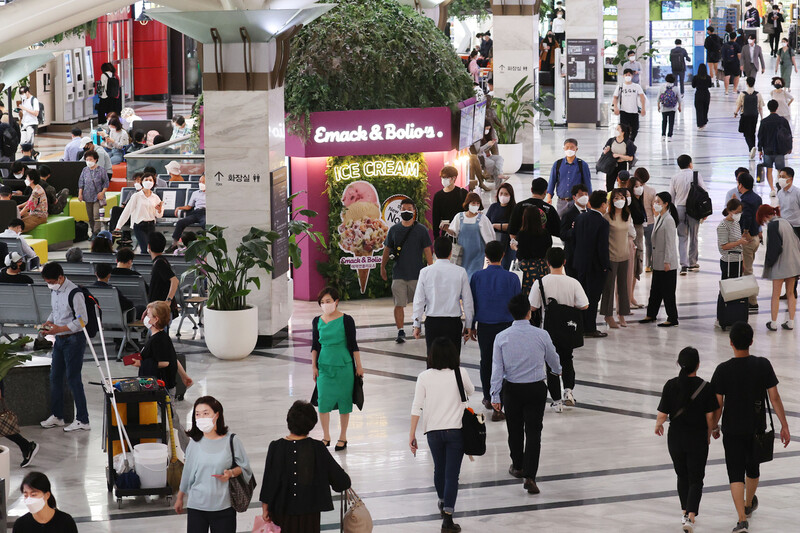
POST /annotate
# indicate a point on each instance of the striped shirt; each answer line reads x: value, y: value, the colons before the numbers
x: 729, y: 231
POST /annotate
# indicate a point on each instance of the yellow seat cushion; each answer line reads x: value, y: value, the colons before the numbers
x: 77, y: 209
x: 39, y: 246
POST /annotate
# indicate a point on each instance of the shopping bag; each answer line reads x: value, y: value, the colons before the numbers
x: 738, y: 288
x: 457, y: 256
x: 259, y: 526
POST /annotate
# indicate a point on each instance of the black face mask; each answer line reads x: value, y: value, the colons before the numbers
x: 407, y: 215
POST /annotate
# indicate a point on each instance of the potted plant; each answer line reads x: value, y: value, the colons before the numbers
x: 513, y: 112
x: 9, y: 358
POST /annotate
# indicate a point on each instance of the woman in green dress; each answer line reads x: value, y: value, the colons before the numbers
x: 786, y: 62
x: 335, y: 361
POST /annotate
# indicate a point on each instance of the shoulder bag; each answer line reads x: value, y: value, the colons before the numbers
x: 737, y: 288
x: 694, y: 395
x: 395, y: 251
x: 457, y: 256
x: 356, y: 519
x: 473, y: 426
x: 764, y: 441
x: 607, y: 163
x: 564, y: 323
x: 241, y: 491
x: 9, y: 422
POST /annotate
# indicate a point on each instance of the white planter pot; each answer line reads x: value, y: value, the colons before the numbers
x: 5, y: 468
x: 231, y: 334
x: 512, y: 157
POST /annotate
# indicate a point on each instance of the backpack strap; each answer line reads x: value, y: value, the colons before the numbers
x: 558, y: 169
x: 695, y: 395
x: 694, y: 177
x: 71, y: 300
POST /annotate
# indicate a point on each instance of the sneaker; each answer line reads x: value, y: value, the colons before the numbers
x: 76, y: 426
x: 694, y: 268
x: 688, y: 526
x: 773, y: 193
x: 663, y: 137
x: 29, y: 455
x: 753, y: 309
x: 789, y: 324
x: 684, y: 271
x: 748, y: 510
x: 401, y: 337
x: 741, y: 527
x: 569, y: 398
x: 753, y: 152
x: 558, y: 406
x: 52, y: 422
x: 716, y: 324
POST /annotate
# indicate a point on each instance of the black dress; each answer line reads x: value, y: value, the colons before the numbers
x: 702, y: 98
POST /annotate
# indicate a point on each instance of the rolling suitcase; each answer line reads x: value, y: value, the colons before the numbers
x: 180, y: 388
x: 728, y: 313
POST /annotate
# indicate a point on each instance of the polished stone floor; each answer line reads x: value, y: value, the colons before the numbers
x: 602, y: 470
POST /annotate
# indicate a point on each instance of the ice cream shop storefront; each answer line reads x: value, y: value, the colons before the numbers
x: 354, y: 168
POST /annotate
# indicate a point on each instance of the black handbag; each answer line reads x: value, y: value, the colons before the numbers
x: 241, y: 491
x: 473, y: 426
x: 607, y: 163
x: 764, y: 442
x: 564, y: 323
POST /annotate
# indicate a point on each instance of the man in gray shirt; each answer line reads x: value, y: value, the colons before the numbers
x: 789, y: 201
x: 68, y: 308
x: 633, y: 65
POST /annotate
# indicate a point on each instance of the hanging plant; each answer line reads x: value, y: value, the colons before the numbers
x: 78, y: 31
x: 462, y: 9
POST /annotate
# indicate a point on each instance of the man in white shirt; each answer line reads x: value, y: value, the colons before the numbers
x: 30, y: 116
x: 629, y: 102
x: 72, y: 151
x: 688, y: 227
x: 15, y: 229
x: 566, y: 291
x: 442, y: 290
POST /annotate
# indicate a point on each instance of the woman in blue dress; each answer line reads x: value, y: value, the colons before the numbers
x: 473, y: 230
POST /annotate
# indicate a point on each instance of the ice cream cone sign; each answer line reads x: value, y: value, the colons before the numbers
x: 362, y: 231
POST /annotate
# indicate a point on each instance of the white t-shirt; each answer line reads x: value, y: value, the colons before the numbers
x: 559, y: 25
x: 564, y: 289
x: 486, y: 229
x: 29, y: 119
x: 628, y: 97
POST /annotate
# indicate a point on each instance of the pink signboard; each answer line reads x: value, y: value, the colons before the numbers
x: 379, y: 131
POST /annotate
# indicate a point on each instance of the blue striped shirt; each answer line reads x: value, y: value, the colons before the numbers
x: 520, y: 354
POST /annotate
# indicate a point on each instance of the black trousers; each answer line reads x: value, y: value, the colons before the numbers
x: 679, y: 77
x: 667, y: 123
x: 662, y: 289
x: 567, y: 374
x: 774, y: 42
x: 632, y: 120
x: 747, y: 127
x: 524, y: 405
x: 486, y: 335
x: 689, y: 452
x: 217, y: 521
x: 701, y: 103
x: 449, y: 327
x: 611, y: 179
x: 593, y: 286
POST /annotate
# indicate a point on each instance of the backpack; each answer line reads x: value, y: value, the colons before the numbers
x: 9, y: 141
x: 729, y: 52
x: 750, y: 105
x: 92, y: 325
x: 558, y: 168
x: 698, y: 203
x: 564, y: 323
x: 783, y: 138
x: 668, y: 98
x: 714, y: 43
x: 112, y: 86
x: 676, y: 60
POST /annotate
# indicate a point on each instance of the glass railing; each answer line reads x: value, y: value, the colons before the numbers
x: 184, y: 150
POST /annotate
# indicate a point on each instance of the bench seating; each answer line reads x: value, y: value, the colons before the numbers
x: 40, y: 247
x: 58, y: 229
x: 77, y: 209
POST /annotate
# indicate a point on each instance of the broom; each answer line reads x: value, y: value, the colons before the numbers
x: 175, y: 467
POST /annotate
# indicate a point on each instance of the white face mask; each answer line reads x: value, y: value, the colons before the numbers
x: 474, y: 208
x: 570, y: 153
x: 618, y: 133
x: 658, y: 207
x: 619, y: 204
x: 205, y: 425
x: 18, y: 176
x: 27, y: 182
x: 202, y: 186
x: 782, y: 182
x: 628, y: 79
x: 53, y: 286
x: 91, y: 164
x: 628, y: 199
x: 147, y: 323
x: 328, y: 308
x: 137, y: 186
x: 446, y: 182
x: 34, y: 505
x: 559, y: 15
x: 504, y: 199
x: 638, y: 191
x: 736, y: 217
x: 147, y: 185
x: 583, y: 200
x: 631, y: 58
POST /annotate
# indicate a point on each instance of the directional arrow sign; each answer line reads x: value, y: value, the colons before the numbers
x: 218, y: 175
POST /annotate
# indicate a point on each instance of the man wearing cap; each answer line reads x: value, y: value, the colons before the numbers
x: 174, y: 171
x: 15, y: 264
x: 102, y: 157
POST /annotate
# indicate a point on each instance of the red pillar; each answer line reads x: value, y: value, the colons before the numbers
x: 150, y: 60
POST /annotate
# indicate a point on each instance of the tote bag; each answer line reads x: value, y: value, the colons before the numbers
x: 738, y: 288
x: 473, y: 426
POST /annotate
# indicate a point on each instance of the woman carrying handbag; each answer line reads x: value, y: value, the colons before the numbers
x: 9, y: 428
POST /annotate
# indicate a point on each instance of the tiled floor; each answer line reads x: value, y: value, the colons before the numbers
x: 602, y: 468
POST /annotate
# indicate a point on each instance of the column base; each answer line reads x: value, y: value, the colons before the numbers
x: 270, y: 341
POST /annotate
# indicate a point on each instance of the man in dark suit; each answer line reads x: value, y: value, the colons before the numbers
x: 580, y: 200
x: 590, y: 259
x: 538, y: 194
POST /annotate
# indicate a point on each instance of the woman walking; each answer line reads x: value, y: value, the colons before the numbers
x: 702, y: 96
x: 42, y: 516
x: 781, y: 263
x: 783, y: 97
x: 729, y: 243
x: 143, y: 208
x: 623, y: 150
x: 473, y: 230
x: 335, y: 361
x: 499, y: 214
x: 620, y: 230
x: 690, y: 403
x: 531, y: 244
x: 437, y: 396
x: 547, y: 52
x: 786, y: 63
x: 299, y: 475
x: 665, y: 262
x: 204, y: 491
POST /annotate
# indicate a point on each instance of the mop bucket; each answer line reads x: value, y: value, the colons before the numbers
x: 150, y: 461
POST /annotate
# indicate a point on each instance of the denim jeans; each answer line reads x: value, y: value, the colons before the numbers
x: 447, y: 449
x: 68, y: 359
x: 142, y: 232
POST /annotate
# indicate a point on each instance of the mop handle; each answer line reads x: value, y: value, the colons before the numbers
x: 105, y: 350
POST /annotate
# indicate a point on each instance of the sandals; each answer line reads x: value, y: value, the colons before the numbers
x: 326, y: 442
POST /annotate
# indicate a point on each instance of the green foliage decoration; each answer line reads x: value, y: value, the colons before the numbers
x: 462, y: 9
x: 516, y: 111
x: 640, y: 45
x: 342, y: 276
x: 370, y: 54
x: 197, y: 117
x: 78, y: 31
x: 10, y: 355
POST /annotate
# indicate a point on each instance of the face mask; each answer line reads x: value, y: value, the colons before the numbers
x: 570, y: 153
x: 504, y: 199
x: 736, y: 217
x: 486, y: 131
x: 202, y: 186
x: 328, y: 308
x: 446, y: 182
x: 18, y: 176
x: 583, y: 200
x: 205, y: 425
x: 53, y: 286
x: 628, y: 199
x: 147, y: 185
x: 137, y: 186
x: 778, y: 86
x: 785, y: 45
x: 638, y: 191
x: 631, y: 58
x: 91, y: 164
x: 34, y: 505
x: 619, y: 204
x: 406, y: 215
x: 147, y: 323
x: 473, y: 208
x: 27, y: 182
x: 751, y: 41
x: 782, y: 182
x: 628, y: 78
x: 559, y: 15
x: 658, y: 207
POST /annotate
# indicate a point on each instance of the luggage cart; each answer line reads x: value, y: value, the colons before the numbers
x: 137, y: 431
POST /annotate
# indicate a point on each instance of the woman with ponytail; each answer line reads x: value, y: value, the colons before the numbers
x: 665, y: 261
x: 43, y: 517
x: 690, y: 403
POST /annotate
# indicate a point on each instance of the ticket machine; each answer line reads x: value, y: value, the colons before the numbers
x: 80, y: 83
x: 64, y: 87
x: 88, y: 76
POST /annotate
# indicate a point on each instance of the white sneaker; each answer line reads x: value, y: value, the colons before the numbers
x: 663, y: 137
x: 684, y: 519
x: 52, y: 422
x: 716, y: 324
x: 558, y: 406
x: 773, y: 193
x: 688, y: 526
x: 753, y: 152
x: 569, y: 398
x: 76, y: 425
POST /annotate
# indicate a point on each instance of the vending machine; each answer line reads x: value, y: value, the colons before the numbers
x: 88, y: 73
x: 80, y: 84
x: 64, y: 87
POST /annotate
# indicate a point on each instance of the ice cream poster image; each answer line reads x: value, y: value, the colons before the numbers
x: 362, y: 231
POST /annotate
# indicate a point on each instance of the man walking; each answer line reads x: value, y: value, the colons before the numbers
x: 677, y: 60
x: 68, y: 308
x: 742, y: 385
x: 688, y: 227
x: 634, y: 66
x: 492, y: 289
x: 580, y: 200
x: 773, y: 20
x: 566, y: 291
x: 752, y: 19
x: 29, y: 105
x: 751, y: 105
x: 591, y: 260
x: 751, y: 56
x: 565, y: 174
x: 774, y: 142
x: 518, y: 383
x: 442, y: 294
x: 537, y: 199
x: 789, y: 201
x: 751, y: 231
x: 629, y: 103
x: 406, y: 243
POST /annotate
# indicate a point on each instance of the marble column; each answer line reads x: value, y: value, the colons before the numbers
x: 633, y: 20
x: 244, y: 142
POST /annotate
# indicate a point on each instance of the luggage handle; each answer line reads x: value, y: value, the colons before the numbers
x: 741, y: 261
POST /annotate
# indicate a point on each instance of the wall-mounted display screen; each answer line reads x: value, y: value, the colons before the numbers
x: 676, y: 10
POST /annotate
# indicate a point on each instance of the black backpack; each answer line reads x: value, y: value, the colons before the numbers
x: 676, y: 60
x: 9, y: 141
x: 729, y: 52
x: 112, y: 87
x: 783, y: 138
x: 92, y: 326
x: 698, y: 203
x: 558, y: 168
x: 564, y: 323
x: 750, y: 104
x: 40, y: 117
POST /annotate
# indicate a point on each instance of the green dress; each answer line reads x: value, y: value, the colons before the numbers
x: 336, y: 374
x: 785, y: 62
